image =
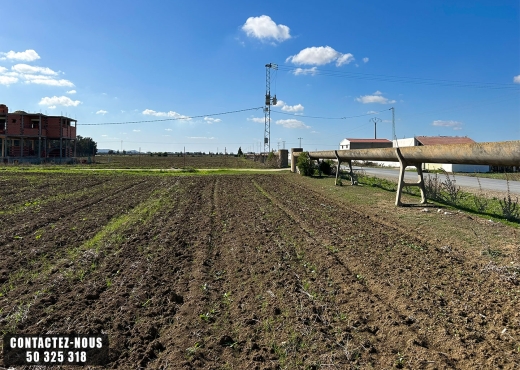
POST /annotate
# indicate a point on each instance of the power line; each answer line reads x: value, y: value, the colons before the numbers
x: 413, y: 80
x: 170, y: 119
x: 304, y: 116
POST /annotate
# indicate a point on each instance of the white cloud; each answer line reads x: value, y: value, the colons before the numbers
x: 319, y: 56
x: 61, y: 100
x: 372, y: 112
x: 305, y: 71
x: 291, y: 123
x: 257, y: 119
x: 289, y: 108
x: 51, y: 107
x: 456, y: 125
x: 6, y: 80
x: 344, y: 59
x: 516, y: 79
x: 211, y: 120
x: 377, y: 97
x: 71, y: 92
x: 27, y: 55
x: 46, y: 80
x: 201, y: 137
x: 293, y: 108
x: 264, y: 27
x: 25, y: 68
x: 101, y: 111
x: 2, y: 69
x: 168, y: 129
x: 171, y: 114
x: 365, y: 60
x: 104, y: 135
x: 136, y: 130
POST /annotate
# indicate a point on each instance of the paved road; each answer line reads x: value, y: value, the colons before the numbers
x: 464, y: 181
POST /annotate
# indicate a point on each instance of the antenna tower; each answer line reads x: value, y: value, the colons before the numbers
x: 267, y: 109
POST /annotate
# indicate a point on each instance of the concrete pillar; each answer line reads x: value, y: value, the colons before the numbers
x: 283, y: 155
x: 293, y: 160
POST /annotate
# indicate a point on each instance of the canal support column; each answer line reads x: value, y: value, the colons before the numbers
x: 293, y: 158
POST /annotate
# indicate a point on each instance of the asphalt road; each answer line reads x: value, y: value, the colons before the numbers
x: 460, y: 180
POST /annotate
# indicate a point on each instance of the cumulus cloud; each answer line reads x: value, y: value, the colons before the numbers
x: 291, y: 123
x: 211, y: 120
x: 456, y: 125
x: 320, y: 56
x: 257, y: 119
x: 59, y: 100
x: 27, y: 55
x: 201, y: 137
x: 71, y: 92
x: 372, y: 112
x: 305, y: 71
x: 516, y: 79
x: 101, y: 111
x: 51, y: 107
x: 168, y: 129
x: 365, y: 60
x: 7, y: 80
x: 170, y: 114
x: 265, y: 28
x: 376, y: 97
x: 26, y: 68
x: 136, y: 130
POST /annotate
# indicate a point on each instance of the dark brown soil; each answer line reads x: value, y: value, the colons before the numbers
x: 247, y: 272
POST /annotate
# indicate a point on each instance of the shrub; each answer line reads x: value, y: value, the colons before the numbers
x: 305, y: 165
x: 325, y: 167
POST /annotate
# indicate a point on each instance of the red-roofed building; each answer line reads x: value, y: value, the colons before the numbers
x: 348, y: 144
x: 443, y: 140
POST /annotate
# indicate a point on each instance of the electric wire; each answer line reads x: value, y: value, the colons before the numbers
x: 334, y: 118
x: 170, y: 119
x: 413, y: 80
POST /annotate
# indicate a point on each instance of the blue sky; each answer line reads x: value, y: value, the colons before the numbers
x: 447, y: 67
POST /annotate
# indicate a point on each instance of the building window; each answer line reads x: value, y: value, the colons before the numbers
x: 14, y: 120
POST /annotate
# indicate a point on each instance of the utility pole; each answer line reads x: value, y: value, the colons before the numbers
x: 121, y: 147
x: 393, y: 124
x: 267, y: 109
x: 375, y: 120
x: 300, y: 138
x: 278, y: 146
x: 283, y: 144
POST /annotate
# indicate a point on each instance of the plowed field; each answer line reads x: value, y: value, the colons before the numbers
x: 243, y: 272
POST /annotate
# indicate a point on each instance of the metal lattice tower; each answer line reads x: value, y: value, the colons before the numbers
x: 267, y: 108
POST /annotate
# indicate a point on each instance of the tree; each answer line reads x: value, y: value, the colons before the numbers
x: 85, y: 146
x: 240, y: 154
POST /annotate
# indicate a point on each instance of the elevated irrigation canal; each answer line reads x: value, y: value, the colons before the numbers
x: 502, y: 153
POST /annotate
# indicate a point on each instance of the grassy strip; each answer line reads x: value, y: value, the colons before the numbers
x: 189, y: 171
x: 456, y: 199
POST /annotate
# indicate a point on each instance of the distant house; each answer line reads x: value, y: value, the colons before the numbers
x: 348, y: 144
x: 449, y: 167
x: 438, y: 140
